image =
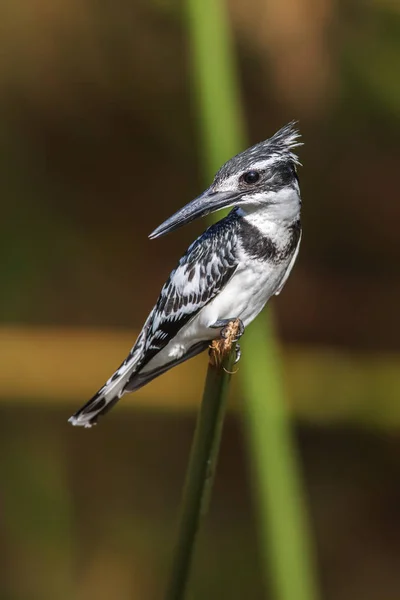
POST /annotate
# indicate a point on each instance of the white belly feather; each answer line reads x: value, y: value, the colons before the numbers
x: 244, y: 296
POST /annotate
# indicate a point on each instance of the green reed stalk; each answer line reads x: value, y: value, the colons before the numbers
x: 200, y: 473
x: 283, y: 525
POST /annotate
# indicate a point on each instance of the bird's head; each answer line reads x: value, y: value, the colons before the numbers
x: 261, y: 176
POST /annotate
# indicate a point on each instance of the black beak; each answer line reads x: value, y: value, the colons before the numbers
x: 203, y: 205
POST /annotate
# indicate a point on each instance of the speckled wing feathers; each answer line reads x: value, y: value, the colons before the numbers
x: 200, y: 275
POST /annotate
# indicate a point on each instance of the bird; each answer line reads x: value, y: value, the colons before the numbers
x: 228, y: 273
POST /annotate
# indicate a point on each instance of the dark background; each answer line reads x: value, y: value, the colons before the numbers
x: 98, y: 145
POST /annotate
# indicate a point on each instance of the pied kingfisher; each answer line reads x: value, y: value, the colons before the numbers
x: 229, y: 272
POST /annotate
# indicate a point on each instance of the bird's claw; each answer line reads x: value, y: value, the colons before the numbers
x: 226, y: 328
x: 226, y: 331
x: 230, y: 332
x: 238, y: 353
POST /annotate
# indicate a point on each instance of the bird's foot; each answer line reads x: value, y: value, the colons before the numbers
x: 227, y: 325
x: 231, y: 332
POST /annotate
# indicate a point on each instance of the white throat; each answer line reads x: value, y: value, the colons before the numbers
x: 272, y: 211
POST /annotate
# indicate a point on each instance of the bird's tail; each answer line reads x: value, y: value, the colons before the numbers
x: 108, y: 395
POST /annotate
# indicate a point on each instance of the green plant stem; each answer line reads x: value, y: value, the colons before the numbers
x: 277, y: 483
x: 283, y: 526
x: 214, y: 80
x: 200, y: 473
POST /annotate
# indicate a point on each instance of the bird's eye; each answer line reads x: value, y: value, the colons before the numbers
x: 250, y: 177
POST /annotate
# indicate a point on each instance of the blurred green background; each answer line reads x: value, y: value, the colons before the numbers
x: 99, y: 143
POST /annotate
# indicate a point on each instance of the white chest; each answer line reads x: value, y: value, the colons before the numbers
x: 245, y: 295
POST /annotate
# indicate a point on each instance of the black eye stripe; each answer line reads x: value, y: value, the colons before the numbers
x: 250, y: 177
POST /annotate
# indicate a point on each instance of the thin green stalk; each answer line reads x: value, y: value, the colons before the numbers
x: 279, y: 495
x: 200, y: 473
x: 284, y: 534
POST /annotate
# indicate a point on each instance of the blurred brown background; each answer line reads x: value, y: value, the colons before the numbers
x: 98, y: 145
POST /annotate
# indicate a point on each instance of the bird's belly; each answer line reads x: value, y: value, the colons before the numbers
x: 244, y: 296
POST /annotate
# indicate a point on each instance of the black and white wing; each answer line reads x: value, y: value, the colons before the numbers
x: 201, y: 274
